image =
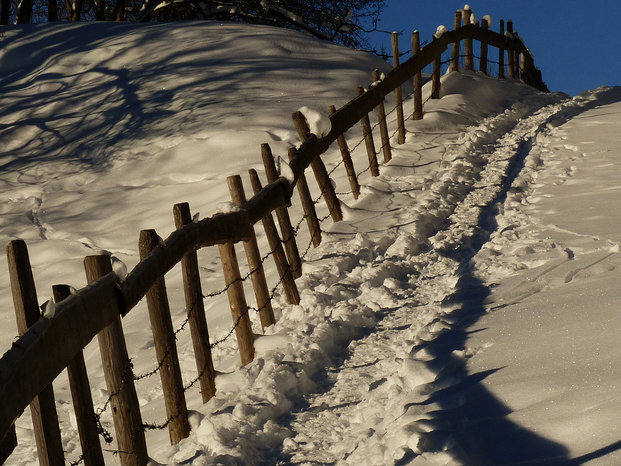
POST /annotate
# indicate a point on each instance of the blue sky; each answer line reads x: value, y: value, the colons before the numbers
x: 575, y: 42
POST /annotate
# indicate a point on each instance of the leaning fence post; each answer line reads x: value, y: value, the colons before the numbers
x: 483, y: 63
x: 255, y: 264
x: 284, y: 221
x: 237, y: 302
x: 43, y: 406
x: 307, y: 204
x: 82, y: 399
x: 347, y: 162
x: 501, y: 53
x: 196, y: 310
x: 418, y: 81
x: 398, y: 93
x: 367, y: 132
x: 468, y: 49
x: 455, y: 48
x: 284, y: 271
x: 119, y: 377
x: 165, y: 347
x: 381, y: 117
x: 319, y: 169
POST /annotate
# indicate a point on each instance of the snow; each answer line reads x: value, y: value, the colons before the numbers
x: 465, y: 312
x: 319, y: 123
x: 440, y: 31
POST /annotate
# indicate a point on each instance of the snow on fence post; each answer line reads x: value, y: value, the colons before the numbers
x: 131, y: 444
x: 82, y: 399
x: 455, y: 48
x: 501, y: 53
x: 468, y: 49
x: 284, y: 271
x: 319, y: 169
x: 253, y: 256
x: 165, y: 347
x: 398, y: 95
x: 307, y: 204
x: 43, y: 406
x: 418, y: 81
x: 381, y: 117
x: 483, y: 62
x: 237, y: 302
x: 510, y: 53
x: 367, y: 132
x: 347, y: 162
x: 284, y: 221
x: 196, y: 310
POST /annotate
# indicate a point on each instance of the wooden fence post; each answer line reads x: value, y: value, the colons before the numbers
x: 455, y: 48
x: 307, y: 204
x: 418, y: 81
x: 257, y: 274
x: 381, y: 117
x: 435, y: 78
x: 510, y: 54
x: 284, y: 271
x: 119, y: 377
x: 398, y: 93
x: 468, y: 49
x: 196, y: 310
x: 237, y: 302
x: 347, y: 162
x: 165, y: 347
x: 82, y: 399
x: 43, y: 406
x: 367, y: 132
x: 483, y: 63
x: 516, y: 60
x: 284, y: 221
x: 319, y: 169
x: 501, y: 53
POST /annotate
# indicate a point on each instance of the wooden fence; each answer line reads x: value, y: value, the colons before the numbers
x: 44, y: 348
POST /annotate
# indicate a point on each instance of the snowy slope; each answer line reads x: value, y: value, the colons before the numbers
x: 392, y: 355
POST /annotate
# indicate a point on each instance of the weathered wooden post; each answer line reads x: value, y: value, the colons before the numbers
x: 82, y: 399
x: 435, y: 78
x: 319, y: 169
x: 468, y: 49
x: 501, y: 53
x: 455, y: 48
x: 367, y: 132
x: 284, y: 271
x: 347, y: 162
x: 257, y: 274
x: 381, y: 117
x: 43, y: 406
x: 483, y: 63
x: 418, y: 81
x: 510, y: 54
x: 196, y: 310
x: 398, y: 94
x: 119, y: 377
x: 284, y: 221
x: 307, y: 204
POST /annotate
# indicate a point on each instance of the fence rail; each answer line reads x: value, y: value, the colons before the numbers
x: 43, y: 350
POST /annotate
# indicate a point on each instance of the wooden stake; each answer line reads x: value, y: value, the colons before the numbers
x: 43, y: 406
x: 284, y: 221
x: 165, y: 347
x: 398, y: 93
x: 284, y: 272
x: 501, y: 53
x: 381, y: 117
x: 257, y: 276
x: 237, y: 301
x: 368, y: 140
x: 82, y: 399
x: 435, y: 78
x: 418, y: 81
x: 119, y: 379
x: 455, y: 49
x: 347, y: 162
x: 510, y: 54
x: 307, y: 205
x: 319, y: 169
x: 468, y: 49
x: 196, y: 311
x: 483, y: 63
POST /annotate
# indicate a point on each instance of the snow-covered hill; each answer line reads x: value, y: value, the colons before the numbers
x: 463, y: 312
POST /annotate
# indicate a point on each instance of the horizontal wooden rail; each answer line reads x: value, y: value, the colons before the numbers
x: 85, y: 313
